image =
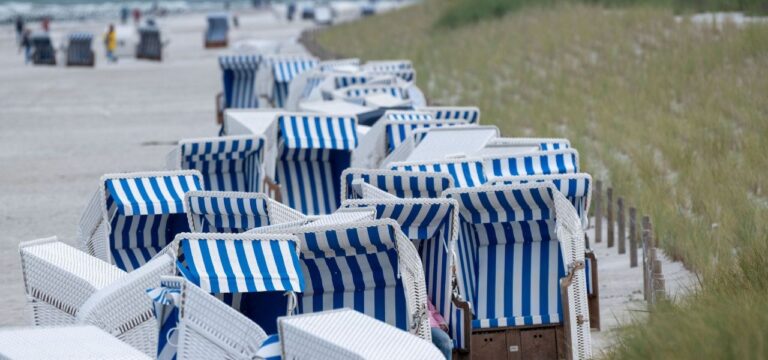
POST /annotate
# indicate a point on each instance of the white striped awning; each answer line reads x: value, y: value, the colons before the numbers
x: 465, y: 172
x: 239, y: 62
x: 309, y: 131
x: 501, y: 204
x: 285, y: 70
x: 403, y: 184
x: 153, y: 194
x: 240, y: 263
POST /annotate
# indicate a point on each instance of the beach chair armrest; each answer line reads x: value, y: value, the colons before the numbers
x: 593, y: 297
x: 220, y: 108
x: 466, y: 322
x: 272, y: 189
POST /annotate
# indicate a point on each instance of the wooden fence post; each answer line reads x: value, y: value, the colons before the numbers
x: 598, y: 204
x: 622, y: 226
x: 646, y: 238
x: 632, y: 237
x: 609, y: 215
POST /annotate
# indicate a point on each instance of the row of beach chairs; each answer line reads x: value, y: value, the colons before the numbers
x: 79, y: 49
x: 304, y: 234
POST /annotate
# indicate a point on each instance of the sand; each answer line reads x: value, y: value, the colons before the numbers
x: 62, y: 128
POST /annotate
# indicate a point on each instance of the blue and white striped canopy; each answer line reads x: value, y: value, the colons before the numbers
x: 151, y: 195
x: 230, y: 163
x: 403, y: 184
x: 529, y: 202
x: 240, y: 62
x: 310, y: 131
x: 575, y: 187
x: 465, y: 172
x: 408, y: 115
x: 364, y: 90
x: 284, y: 70
x: 564, y: 161
x: 469, y: 114
x: 242, y: 263
x: 80, y: 36
x: 398, y: 131
x: 226, y: 212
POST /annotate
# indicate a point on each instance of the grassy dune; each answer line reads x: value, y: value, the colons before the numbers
x: 673, y: 115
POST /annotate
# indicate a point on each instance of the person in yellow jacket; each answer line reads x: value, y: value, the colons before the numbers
x: 110, y: 41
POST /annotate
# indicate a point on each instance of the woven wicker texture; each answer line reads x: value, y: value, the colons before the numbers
x: 337, y: 335
x: 64, y: 343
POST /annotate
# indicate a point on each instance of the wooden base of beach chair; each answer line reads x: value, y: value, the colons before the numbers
x: 90, y: 63
x: 272, y: 189
x: 219, y: 108
x: 150, y: 57
x: 593, y: 300
x: 216, y: 44
x: 527, y: 342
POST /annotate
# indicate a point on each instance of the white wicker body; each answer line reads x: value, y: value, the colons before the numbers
x: 66, y: 286
x: 276, y: 212
x: 348, y: 334
x: 210, y: 329
x: 64, y: 342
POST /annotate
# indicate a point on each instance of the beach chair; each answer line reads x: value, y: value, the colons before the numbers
x: 432, y: 226
x: 216, y: 33
x: 283, y: 72
x: 228, y: 163
x: 193, y: 324
x: 465, y: 172
x: 42, y: 49
x: 79, y: 52
x: 135, y: 215
x: 565, y: 161
x: 524, y: 277
x: 313, y: 150
x: 84, y: 342
x: 239, y: 83
x: 470, y: 114
x: 577, y: 188
x: 66, y: 286
x: 235, y: 212
x: 336, y: 334
x: 368, y: 266
x: 150, y: 46
x: 403, y: 184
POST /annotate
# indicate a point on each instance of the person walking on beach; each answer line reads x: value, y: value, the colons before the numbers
x: 46, y: 24
x: 136, y: 16
x: 26, y: 44
x: 110, y: 42
x: 19, y: 29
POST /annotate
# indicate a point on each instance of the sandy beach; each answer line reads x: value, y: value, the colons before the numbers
x: 62, y: 128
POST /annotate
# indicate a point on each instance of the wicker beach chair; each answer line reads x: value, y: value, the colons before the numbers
x: 64, y: 342
x: 313, y: 150
x: 331, y: 335
x: 193, y: 324
x: 79, y: 52
x: 403, y: 184
x: 42, y: 49
x: 216, y: 33
x: 470, y: 114
x: 66, y: 286
x: 150, y: 45
x: 577, y: 188
x: 228, y: 163
x: 239, y: 83
x: 432, y: 226
x: 465, y: 172
x: 236, y: 212
x: 283, y: 72
x: 536, y: 306
x: 135, y: 215
x: 366, y: 265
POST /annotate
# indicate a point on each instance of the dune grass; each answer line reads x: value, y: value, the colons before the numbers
x: 672, y: 114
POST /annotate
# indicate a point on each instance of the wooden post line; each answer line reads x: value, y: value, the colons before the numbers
x: 609, y: 216
x: 598, y: 206
x: 633, y: 237
x: 622, y: 226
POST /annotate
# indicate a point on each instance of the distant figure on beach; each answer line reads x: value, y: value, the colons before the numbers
x: 46, y: 24
x: 235, y: 21
x: 110, y: 42
x: 291, y: 10
x: 136, y: 16
x: 19, y: 28
x: 25, y: 43
x: 124, y: 12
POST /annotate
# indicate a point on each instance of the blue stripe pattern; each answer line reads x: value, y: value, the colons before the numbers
x: 465, y: 172
x: 403, y: 184
x: 564, y: 161
x: 165, y: 304
x: 469, y: 114
x: 270, y: 348
x: 356, y: 268
x: 510, y: 257
x: 226, y: 213
x: 313, y: 152
x: 239, y: 80
x: 144, y: 214
x: 226, y: 163
x: 243, y: 264
x: 284, y: 70
x: 79, y: 50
